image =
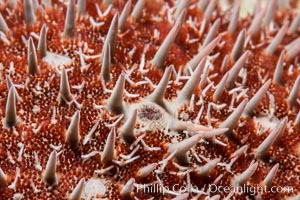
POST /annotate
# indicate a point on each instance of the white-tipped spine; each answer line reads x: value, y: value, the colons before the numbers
x: 234, y: 71
x: 70, y: 21
x: 212, y: 32
x: 190, y: 86
x: 106, y: 62
x: 220, y: 88
x: 76, y: 194
x: 277, y: 78
x: 257, y: 98
x: 138, y: 10
x: 127, y: 190
x: 161, y: 54
x: 292, y: 99
x: 42, y: 45
x: 112, y: 35
x: 73, y: 135
x: 271, y: 176
x: 238, y: 47
x: 158, y: 94
x: 109, y: 148
x: 3, y: 26
x: 277, y: 39
x: 201, y: 54
x: 64, y: 90
x: 124, y: 15
x: 234, y: 117
x: 11, y: 110
x: 50, y: 176
x: 145, y: 171
x: 115, y: 102
x: 208, y: 167
x: 234, y: 19
x: 183, y: 147
x: 32, y: 58
x: 127, y: 130
x: 244, y: 177
x: 29, y: 12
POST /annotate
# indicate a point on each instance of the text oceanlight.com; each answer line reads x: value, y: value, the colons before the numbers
x: 212, y: 188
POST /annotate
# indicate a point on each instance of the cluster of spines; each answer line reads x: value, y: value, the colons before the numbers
x: 196, y: 66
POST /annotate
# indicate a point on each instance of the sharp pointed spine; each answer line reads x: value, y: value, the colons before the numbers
x: 73, y: 135
x: 210, y: 9
x: 127, y: 190
x: 159, y: 92
x: 271, y: 176
x: 3, y: 178
x: 234, y: 19
x: 224, y: 64
x: 182, y: 5
x: 32, y: 58
x: 270, y: 12
x: 124, y: 15
x: 145, y: 171
x: 127, y: 130
x: 29, y: 12
x: 257, y: 98
x: 234, y: 71
x: 183, y: 147
x: 109, y: 148
x: 70, y: 29
x: 277, y: 39
x: 244, y: 177
x: 275, y: 134
x: 161, y: 54
x: 204, y: 77
x: 3, y: 26
x: 50, y: 176
x: 42, y: 45
x: 81, y: 5
x: 64, y: 90
x: 238, y: 48
x: 203, y: 4
x: 138, y: 10
x: 10, y: 84
x: 106, y: 63
x: 255, y: 26
x: 234, y: 117
x: 212, y: 133
x: 240, y: 151
x: 112, y: 34
x: 277, y: 78
x: 202, y: 53
x: 212, y: 32
x: 190, y: 86
x: 220, y: 88
x: 76, y: 194
x: 295, y: 24
x: 293, y: 50
x: 115, y: 101
x: 11, y: 110
x: 292, y: 99
x: 208, y: 167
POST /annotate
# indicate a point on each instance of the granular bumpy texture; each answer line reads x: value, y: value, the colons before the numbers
x: 149, y: 99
